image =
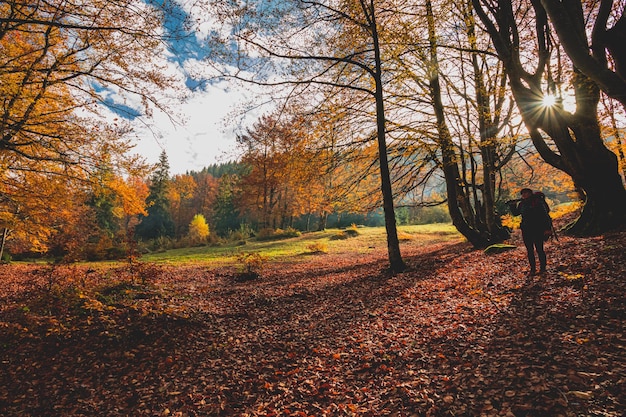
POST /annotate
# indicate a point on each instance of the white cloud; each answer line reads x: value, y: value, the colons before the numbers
x: 205, y: 132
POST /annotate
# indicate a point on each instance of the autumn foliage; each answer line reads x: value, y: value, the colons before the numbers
x: 459, y: 333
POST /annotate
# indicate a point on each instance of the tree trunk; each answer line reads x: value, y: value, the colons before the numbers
x: 459, y: 206
x: 3, y: 239
x: 488, y: 123
x: 393, y: 243
x: 603, y: 209
x: 323, y: 222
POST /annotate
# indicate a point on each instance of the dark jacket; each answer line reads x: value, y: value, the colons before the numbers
x: 534, y: 211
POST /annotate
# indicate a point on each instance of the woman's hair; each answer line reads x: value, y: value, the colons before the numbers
x: 523, y: 190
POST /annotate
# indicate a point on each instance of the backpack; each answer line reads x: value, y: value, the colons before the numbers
x: 540, y: 203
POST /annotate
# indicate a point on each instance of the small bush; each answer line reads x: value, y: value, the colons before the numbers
x: 252, y: 264
x: 235, y: 235
x: 271, y: 234
x: 243, y: 233
x: 160, y: 243
x: 339, y: 236
x: 317, y: 247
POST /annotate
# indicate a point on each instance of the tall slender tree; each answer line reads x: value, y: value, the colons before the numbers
x: 343, y: 46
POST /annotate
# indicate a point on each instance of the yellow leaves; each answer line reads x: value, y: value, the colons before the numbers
x: 512, y: 222
x: 252, y: 262
x: 564, y: 209
x: 571, y: 277
x: 198, y: 229
x: 92, y: 304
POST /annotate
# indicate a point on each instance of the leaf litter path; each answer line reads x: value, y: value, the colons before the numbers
x: 459, y: 334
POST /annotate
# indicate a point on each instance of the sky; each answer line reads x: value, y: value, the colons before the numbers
x: 203, y: 136
x: 206, y: 121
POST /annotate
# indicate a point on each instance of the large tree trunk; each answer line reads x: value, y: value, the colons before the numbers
x: 580, y: 150
x: 323, y: 221
x: 582, y: 154
x: 603, y: 209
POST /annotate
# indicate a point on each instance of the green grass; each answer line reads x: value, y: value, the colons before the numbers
x: 367, y: 239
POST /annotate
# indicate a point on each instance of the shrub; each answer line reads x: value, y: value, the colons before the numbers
x: 160, y: 243
x: 235, y: 235
x: 252, y: 264
x: 270, y: 234
x: 317, y: 247
x: 339, y: 236
x: 512, y: 222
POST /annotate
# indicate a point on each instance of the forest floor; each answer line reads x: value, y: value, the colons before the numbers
x: 460, y: 333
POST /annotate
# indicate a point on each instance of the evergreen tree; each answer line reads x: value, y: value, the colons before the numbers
x: 226, y: 215
x: 102, y: 200
x: 158, y: 222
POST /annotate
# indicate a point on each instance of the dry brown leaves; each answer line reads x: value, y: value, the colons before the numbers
x: 460, y: 333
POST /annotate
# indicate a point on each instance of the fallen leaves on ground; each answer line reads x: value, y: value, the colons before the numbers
x: 460, y: 333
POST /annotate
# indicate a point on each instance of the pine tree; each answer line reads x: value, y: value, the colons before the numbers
x: 158, y: 222
x: 226, y: 215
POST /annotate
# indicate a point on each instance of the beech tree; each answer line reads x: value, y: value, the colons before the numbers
x: 566, y: 135
x: 321, y: 43
x: 278, y: 179
x: 61, y: 57
x: 592, y: 35
x: 470, y: 95
x: 28, y: 206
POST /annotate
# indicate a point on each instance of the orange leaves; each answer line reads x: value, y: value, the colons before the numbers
x: 130, y: 196
x: 327, y: 336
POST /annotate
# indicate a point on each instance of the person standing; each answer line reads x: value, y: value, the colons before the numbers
x: 536, y: 225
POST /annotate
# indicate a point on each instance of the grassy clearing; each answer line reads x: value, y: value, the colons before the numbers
x: 367, y: 239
